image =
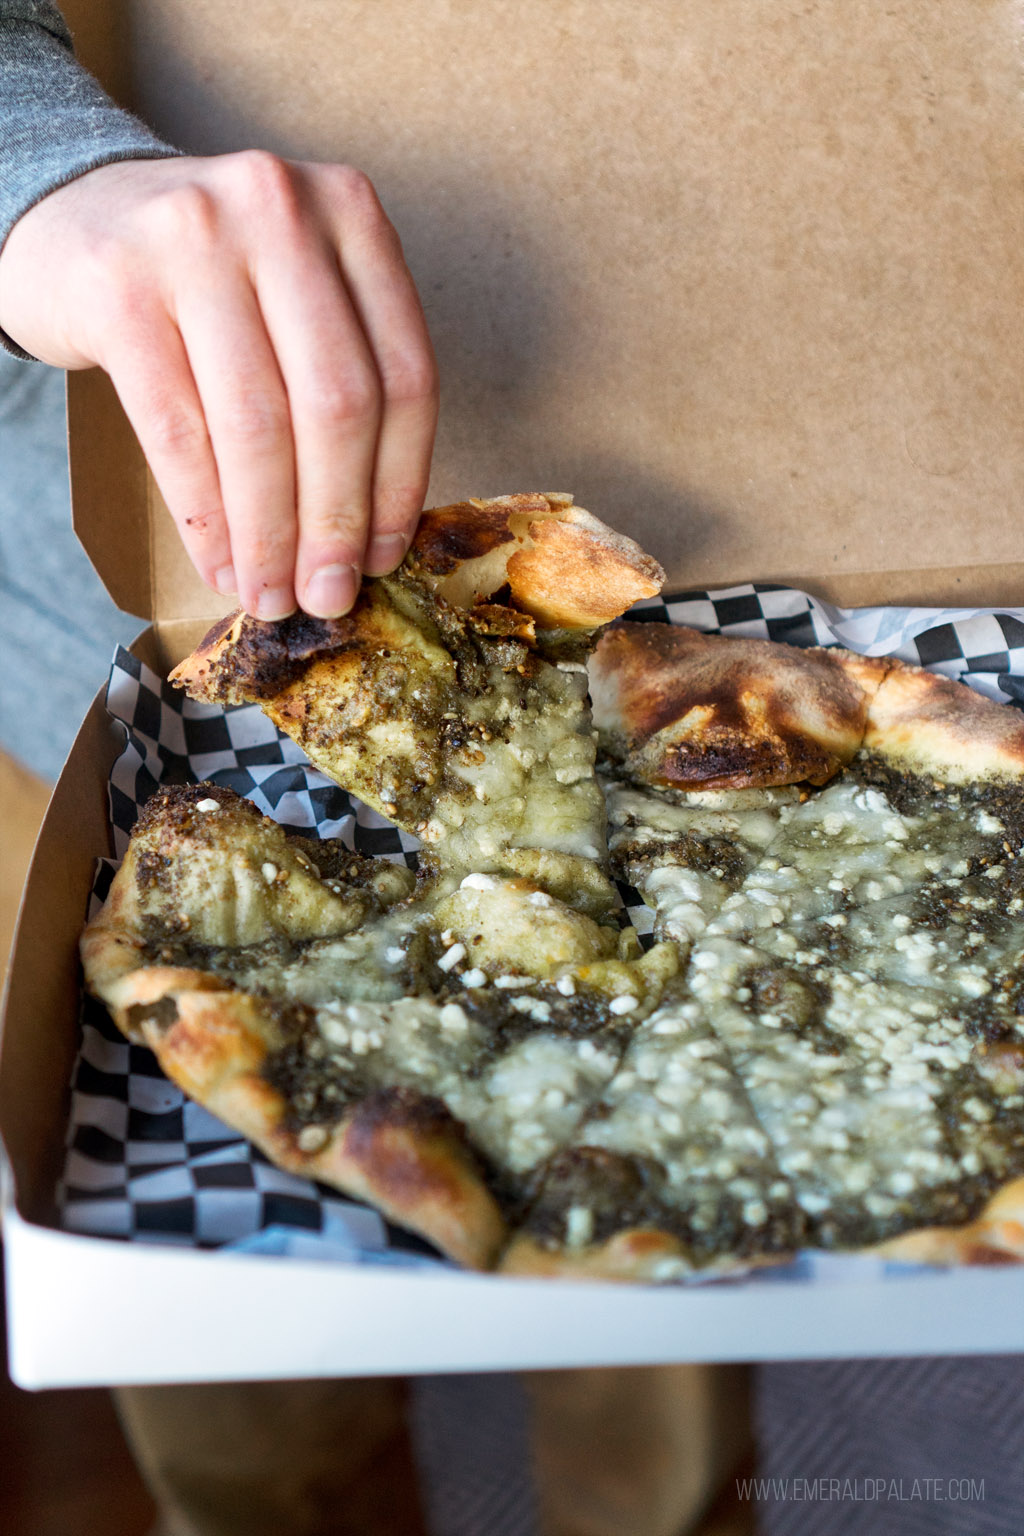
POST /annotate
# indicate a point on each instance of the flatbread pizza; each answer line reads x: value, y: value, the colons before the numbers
x: 823, y: 1044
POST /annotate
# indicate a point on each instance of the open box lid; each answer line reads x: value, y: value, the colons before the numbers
x: 746, y: 278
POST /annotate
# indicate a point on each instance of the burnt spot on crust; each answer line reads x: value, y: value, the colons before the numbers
x: 448, y: 536
x: 245, y: 656
x: 788, y: 759
x: 162, y: 1013
x: 405, y: 1109
x: 411, y: 1144
x: 219, y: 630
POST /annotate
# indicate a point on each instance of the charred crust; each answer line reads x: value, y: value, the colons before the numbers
x: 665, y: 673
x: 448, y: 536
x: 265, y: 658
x: 220, y: 629
x: 790, y: 759
x: 403, y: 1109
x: 162, y: 1014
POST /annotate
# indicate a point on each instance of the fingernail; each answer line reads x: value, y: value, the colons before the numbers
x: 385, y: 552
x: 331, y: 590
x: 275, y: 603
x: 226, y: 581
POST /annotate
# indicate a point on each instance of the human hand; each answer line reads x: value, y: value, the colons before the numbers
x: 268, y: 345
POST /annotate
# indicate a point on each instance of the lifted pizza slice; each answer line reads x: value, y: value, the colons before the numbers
x: 453, y: 698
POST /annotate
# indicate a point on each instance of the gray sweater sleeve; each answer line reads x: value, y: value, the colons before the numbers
x: 55, y: 121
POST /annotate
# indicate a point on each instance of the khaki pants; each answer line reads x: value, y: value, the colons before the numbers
x: 624, y: 1452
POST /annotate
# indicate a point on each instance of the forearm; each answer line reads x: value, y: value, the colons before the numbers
x: 55, y: 121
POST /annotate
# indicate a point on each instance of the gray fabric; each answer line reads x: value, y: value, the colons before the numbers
x: 472, y: 1447
x: 931, y: 1447
x: 58, y: 627
x: 55, y: 121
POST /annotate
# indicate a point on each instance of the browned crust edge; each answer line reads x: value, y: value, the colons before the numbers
x: 638, y: 1255
x: 395, y: 1148
x: 995, y: 1236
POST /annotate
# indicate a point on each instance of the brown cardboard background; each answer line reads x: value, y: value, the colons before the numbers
x: 745, y: 276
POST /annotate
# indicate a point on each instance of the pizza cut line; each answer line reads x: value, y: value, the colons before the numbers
x: 822, y: 1048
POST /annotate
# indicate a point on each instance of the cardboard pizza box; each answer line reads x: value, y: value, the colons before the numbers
x: 746, y: 279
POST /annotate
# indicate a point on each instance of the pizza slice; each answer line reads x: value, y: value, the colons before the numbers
x: 453, y: 698
x: 853, y: 1082
x: 669, y: 1174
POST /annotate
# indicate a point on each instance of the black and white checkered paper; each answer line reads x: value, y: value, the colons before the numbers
x: 145, y: 1163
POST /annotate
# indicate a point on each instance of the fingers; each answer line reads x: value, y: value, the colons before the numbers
x: 249, y: 422
x: 384, y: 297
x: 265, y: 336
x: 334, y: 396
x: 323, y: 426
x: 149, y: 366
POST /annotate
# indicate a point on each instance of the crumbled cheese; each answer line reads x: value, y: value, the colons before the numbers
x: 623, y: 1004
x: 478, y: 883
x: 534, y: 1007
x: 453, y: 1019
x: 208, y: 805
x: 450, y: 959
x: 579, y: 1226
